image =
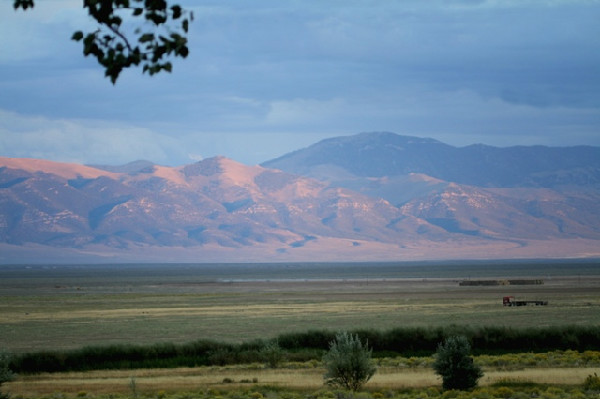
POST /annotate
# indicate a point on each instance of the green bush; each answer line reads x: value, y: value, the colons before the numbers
x: 592, y: 383
x: 6, y: 373
x: 348, y: 363
x: 272, y: 354
x: 455, y: 365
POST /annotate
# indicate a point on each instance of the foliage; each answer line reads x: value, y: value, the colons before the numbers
x: 311, y: 339
x: 415, y: 345
x: 6, y: 373
x: 348, y: 363
x: 116, y: 48
x: 272, y: 354
x: 419, y: 341
x: 455, y: 365
x: 592, y: 383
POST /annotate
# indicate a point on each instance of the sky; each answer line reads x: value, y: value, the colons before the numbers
x: 266, y: 77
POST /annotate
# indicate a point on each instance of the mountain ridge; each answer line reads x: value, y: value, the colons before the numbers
x: 219, y: 210
x: 389, y: 154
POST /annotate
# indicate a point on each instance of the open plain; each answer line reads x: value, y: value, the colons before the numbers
x: 68, y: 307
x: 63, y: 307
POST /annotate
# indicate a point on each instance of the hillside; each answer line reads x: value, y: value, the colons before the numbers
x: 344, y: 208
x: 209, y: 209
x: 377, y: 155
x: 514, y: 193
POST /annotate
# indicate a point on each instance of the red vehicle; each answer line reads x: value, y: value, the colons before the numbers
x: 510, y: 301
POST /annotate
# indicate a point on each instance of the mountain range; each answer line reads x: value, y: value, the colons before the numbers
x: 371, y: 196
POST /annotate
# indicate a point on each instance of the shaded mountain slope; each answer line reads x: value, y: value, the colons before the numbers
x: 389, y: 154
x: 498, y: 193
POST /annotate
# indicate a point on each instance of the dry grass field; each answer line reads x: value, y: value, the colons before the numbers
x: 149, y: 382
x: 70, y: 312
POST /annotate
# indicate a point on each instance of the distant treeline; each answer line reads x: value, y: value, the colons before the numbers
x: 304, y: 346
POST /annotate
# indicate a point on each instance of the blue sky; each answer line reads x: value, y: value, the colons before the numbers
x: 266, y: 77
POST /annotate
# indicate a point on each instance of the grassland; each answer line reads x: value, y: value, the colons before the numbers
x: 60, y: 309
x: 66, y: 307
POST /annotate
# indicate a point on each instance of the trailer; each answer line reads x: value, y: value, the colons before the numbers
x: 510, y: 301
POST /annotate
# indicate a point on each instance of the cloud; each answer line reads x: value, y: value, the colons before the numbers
x: 42, y: 32
x: 82, y: 141
x: 263, y: 78
x: 301, y: 112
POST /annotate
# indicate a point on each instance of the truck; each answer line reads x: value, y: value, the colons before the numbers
x: 510, y: 301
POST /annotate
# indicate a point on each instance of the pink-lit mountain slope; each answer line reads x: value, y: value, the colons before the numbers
x: 220, y: 210
x: 212, y: 208
x: 527, y: 195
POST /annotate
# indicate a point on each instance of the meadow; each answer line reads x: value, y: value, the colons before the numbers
x: 67, y: 307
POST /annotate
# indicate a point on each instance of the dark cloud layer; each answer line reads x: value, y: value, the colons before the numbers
x: 276, y: 75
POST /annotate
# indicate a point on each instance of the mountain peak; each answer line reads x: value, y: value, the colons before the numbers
x: 394, y: 137
x: 205, y: 167
x: 374, y: 139
x: 379, y: 154
x: 373, y: 154
x: 235, y: 172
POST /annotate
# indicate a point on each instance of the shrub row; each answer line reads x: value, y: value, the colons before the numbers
x: 417, y: 341
x: 164, y: 355
x: 304, y: 346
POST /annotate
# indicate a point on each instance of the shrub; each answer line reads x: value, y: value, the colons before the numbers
x: 272, y: 354
x: 348, y: 363
x: 455, y: 365
x: 6, y: 373
x: 592, y: 383
x: 133, y: 387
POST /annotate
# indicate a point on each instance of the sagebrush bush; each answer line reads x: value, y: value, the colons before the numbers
x: 348, y: 363
x: 272, y: 354
x: 453, y: 362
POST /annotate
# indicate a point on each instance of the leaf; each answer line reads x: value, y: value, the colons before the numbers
x: 24, y: 4
x: 146, y: 37
x: 77, y: 36
x: 117, y: 49
x: 176, y: 11
x: 115, y: 20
